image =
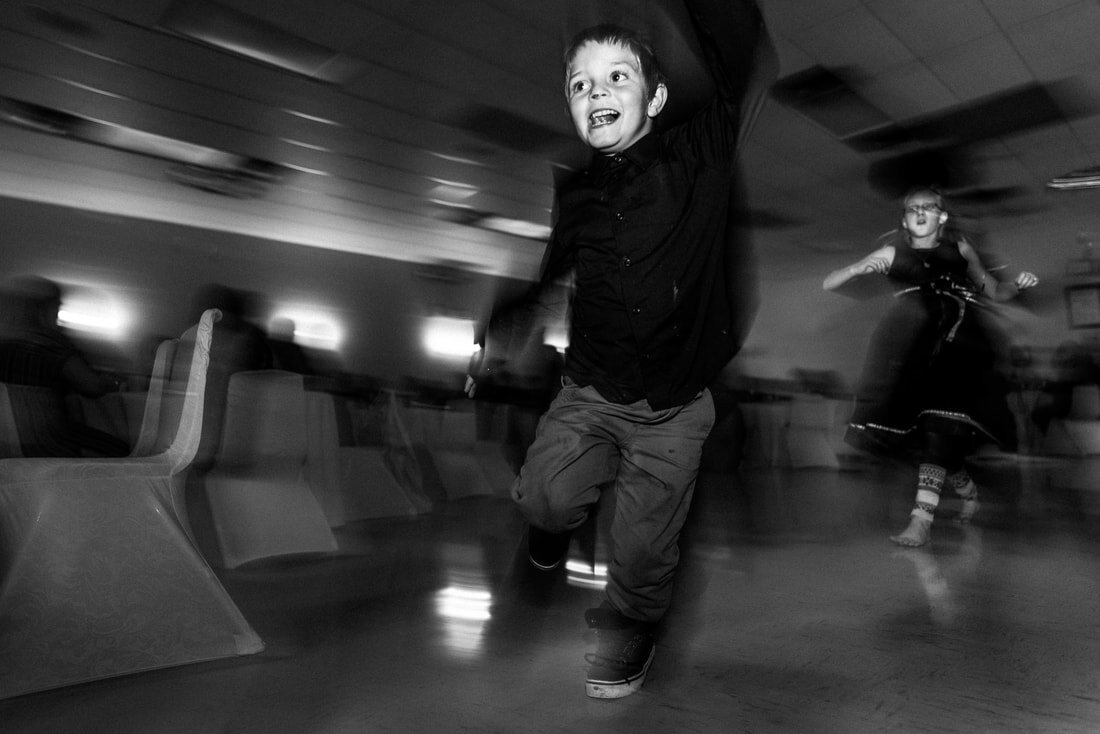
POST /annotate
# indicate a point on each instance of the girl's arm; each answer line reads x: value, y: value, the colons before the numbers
x: 987, y: 284
x: 878, y: 261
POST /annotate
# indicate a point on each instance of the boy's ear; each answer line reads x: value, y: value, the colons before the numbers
x: 657, y: 101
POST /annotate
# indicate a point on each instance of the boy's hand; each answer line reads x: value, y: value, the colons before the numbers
x: 471, y: 386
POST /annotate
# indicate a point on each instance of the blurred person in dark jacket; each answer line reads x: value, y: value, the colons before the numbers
x: 41, y: 367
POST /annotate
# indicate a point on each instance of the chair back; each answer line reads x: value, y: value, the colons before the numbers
x: 265, y: 420
x: 158, y: 382
x: 179, y: 425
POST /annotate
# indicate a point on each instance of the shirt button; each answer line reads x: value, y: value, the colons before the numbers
x: 627, y: 262
x: 635, y: 310
x: 619, y: 216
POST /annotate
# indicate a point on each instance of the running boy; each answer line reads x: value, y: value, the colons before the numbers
x: 661, y: 303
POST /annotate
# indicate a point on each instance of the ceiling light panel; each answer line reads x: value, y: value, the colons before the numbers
x: 255, y: 38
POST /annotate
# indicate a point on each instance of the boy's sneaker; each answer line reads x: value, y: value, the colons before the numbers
x: 624, y: 651
x: 546, y: 550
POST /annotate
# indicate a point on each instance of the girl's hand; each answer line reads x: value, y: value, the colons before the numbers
x: 1025, y: 280
x: 880, y: 265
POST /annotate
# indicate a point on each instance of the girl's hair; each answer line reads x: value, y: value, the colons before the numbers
x: 632, y: 41
x: 933, y: 191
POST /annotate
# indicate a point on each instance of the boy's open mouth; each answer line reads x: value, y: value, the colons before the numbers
x: 600, y: 118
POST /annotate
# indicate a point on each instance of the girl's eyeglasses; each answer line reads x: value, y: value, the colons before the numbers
x: 928, y: 208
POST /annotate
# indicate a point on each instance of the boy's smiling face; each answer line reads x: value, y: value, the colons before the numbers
x: 607, y: 97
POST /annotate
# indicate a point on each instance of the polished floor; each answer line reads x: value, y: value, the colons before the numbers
x: 794, y: 613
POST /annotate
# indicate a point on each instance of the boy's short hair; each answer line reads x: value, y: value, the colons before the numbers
x: 636, y: 43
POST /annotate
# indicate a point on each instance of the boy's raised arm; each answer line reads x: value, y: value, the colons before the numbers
x: 735, y: 44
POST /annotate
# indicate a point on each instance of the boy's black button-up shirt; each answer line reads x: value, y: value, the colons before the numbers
x: 664, y: 286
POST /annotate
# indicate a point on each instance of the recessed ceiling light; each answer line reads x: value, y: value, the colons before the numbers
x: 303, y: 169
x: 255, y: 38
x: 312, y: 118
x: 1086, y: 178
x: 87, y: 88
x: 308, y: 146
x: 517, y: 227
x: 456, y: 159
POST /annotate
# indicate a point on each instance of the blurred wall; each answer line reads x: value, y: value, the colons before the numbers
x: 154, y: 268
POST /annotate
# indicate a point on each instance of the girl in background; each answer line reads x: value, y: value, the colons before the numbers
x: 929, y: 380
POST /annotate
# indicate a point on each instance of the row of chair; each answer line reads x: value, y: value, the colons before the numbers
x: 106, y: 564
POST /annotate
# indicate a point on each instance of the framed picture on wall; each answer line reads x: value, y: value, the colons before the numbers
x: 1083, y: 306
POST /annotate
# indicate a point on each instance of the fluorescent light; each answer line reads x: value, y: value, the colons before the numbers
x: 456, y: 159
x: 88, y: 88
x: 445, y: 336
x: 312, y: 118
x: 313, y: 327
x: 139, y: 141
x: 253, y: 37
x: 449, y: 193
x: 308, y: 146
x: 303, y: 169
x: 517, y: 227
x: 1088, y: 178
x: 558, y: 338
x: 92, y: 313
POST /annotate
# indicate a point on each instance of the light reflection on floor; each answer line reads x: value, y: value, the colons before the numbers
x: 463, y: 605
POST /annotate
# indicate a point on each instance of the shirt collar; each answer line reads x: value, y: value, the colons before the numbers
x: 641, y: 155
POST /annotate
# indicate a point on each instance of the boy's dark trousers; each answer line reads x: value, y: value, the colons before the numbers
x: 650, y: 458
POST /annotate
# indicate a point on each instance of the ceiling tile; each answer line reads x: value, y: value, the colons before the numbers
x: 1049, y: 151
x: 934, y: 25
x: 1058, y: 42
x: 1011, y: 12
x: 907, y: 91
x: 791, y: 58
x: 980, y: 67
x: 855, y: 40
x: 786, y: 16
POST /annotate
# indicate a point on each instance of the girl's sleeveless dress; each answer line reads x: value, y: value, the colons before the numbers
x: 932, y: 362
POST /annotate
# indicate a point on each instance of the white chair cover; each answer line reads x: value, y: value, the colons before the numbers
x: 9, y: 432
x: 454, y: 466
x: 383, y: 478
x: 323, y: 459
x: 260, y: 500
x: 98, y: 576
x: 158, y: 383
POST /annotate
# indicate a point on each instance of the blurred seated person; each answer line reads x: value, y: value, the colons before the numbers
x: 1073, y: 366
x: 486, y: 392
x: 238, y: 345
x: 526, y: 382
x: 41, y: 366
x: 535, y: 379
x: 286, y: 353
